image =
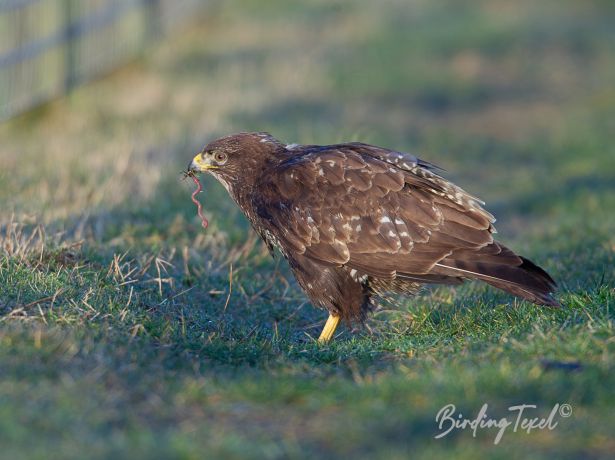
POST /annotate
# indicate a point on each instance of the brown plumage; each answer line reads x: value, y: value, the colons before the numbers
x: 356, y: 221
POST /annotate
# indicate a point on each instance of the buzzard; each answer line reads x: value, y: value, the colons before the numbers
x: 358, y: 222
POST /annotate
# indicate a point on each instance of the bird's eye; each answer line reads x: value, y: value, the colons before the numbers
x: 220, y: 157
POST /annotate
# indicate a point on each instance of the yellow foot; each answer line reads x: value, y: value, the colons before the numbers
x: 329, y: 329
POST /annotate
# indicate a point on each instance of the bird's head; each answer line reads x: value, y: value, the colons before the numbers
x: 229, y: 158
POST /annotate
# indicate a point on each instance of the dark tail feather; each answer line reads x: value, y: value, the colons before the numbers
x: 518, y: 275
x: 539, y: 289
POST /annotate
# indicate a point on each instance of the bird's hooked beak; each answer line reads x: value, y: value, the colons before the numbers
x: 201, y: 163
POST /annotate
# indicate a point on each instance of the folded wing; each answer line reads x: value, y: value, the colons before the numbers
x: 389, y: 215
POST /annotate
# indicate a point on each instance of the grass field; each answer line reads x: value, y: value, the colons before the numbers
x: 126, y: 331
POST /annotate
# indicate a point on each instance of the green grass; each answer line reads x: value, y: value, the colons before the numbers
x: 125, y: 333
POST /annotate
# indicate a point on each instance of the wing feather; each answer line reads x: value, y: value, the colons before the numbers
x: 375, y: 210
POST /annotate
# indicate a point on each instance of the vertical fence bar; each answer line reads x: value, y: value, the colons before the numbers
x: 153, y: 21
x: 70, y: 46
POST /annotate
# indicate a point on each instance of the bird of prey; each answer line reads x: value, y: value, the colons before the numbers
x: 358, y: 222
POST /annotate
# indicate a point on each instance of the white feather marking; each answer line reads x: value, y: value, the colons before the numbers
x: 224, y: 183
x: 392, y: 233
x: 399, y: 222
x: 385, y: 220
x: 292, y: 146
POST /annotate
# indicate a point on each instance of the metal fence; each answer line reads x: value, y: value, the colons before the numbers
x: 48, y: 47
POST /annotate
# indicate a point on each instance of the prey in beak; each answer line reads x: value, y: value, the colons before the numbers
x: 192, y: 172
x: 207, y: 159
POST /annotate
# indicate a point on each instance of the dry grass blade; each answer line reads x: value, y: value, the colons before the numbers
x: 161, y: 266
x: 18, y: 242
x: 230, y: 287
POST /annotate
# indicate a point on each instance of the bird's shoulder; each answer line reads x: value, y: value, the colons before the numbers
x: 354, y: 168
x: 323, y: 164
x: 355, y: 154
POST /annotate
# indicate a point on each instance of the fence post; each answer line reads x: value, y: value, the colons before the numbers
x: 70, y: 47
x: 153, y: 18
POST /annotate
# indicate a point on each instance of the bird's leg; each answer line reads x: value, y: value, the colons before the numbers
x: 329, y: 329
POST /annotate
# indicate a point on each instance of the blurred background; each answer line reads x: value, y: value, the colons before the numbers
x: 51, y: 46
x: 103, y: 103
